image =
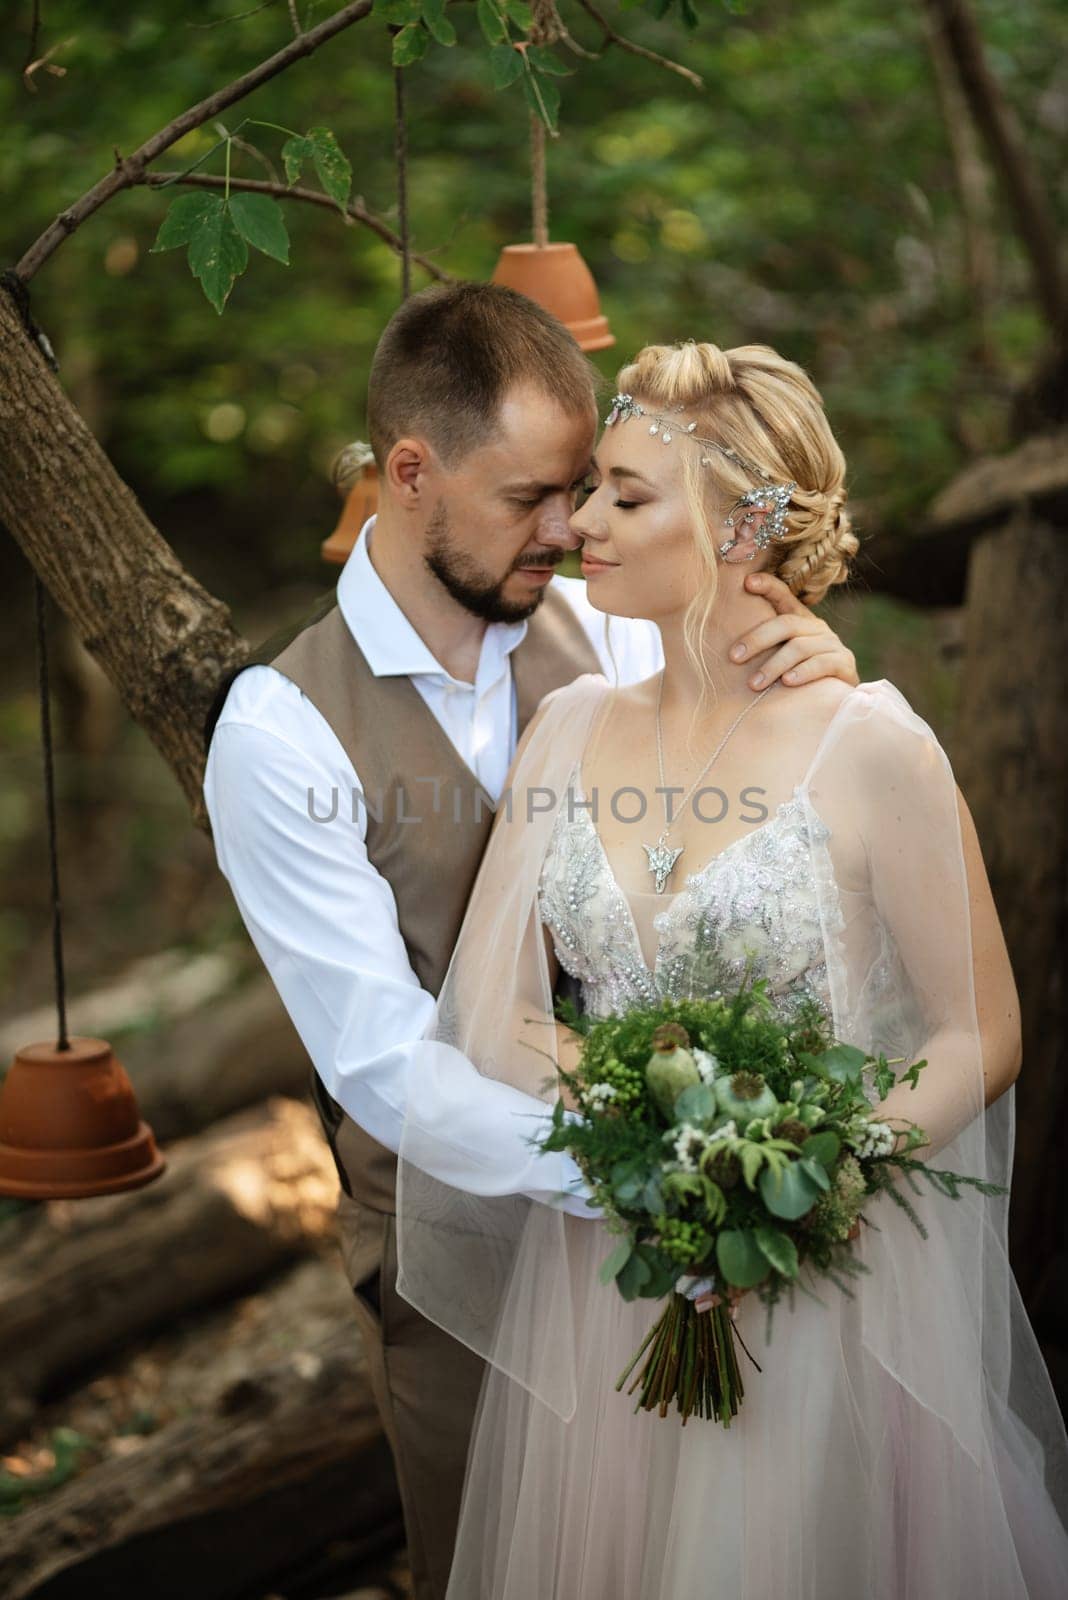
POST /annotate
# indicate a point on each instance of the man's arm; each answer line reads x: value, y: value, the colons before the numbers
x: 324, y: 922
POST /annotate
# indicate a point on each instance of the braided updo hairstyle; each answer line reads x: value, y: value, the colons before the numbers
x: 768, y: 410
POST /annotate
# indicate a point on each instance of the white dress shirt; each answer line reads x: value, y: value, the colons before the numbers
x: 324, y: 920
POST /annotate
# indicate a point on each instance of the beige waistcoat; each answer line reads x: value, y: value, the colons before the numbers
x: 393, y: 740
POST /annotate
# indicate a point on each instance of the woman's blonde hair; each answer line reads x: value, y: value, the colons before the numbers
x: 767, y: 409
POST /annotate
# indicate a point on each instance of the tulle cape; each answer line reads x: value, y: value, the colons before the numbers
x: 942, y: 1407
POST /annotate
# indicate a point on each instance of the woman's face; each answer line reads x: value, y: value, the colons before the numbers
x: 639, y: 557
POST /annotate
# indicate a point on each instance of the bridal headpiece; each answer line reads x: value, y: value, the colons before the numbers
x: 774, y: 498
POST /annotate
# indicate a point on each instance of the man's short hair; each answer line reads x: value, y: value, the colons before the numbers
x: 448, y: 357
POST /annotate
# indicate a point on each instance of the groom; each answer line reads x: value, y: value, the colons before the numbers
x: 352, y: 768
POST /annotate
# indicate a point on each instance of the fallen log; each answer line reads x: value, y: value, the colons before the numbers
x: 78, y: 1277
x: 273, y: 1466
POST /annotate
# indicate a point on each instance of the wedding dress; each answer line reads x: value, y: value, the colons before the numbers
x: 902, y: 1444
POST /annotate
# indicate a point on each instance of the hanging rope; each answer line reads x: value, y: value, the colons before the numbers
x: 62, y: 1043
x: 538, y: 191
x: 400, y: 156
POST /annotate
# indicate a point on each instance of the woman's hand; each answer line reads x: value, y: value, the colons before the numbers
x: 809, y: 649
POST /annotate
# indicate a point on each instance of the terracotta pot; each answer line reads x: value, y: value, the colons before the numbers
x: 361, y: 502
x: 69, y: 1125
x: 556, y: 276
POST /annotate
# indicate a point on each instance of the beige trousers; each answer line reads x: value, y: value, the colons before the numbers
x: 426, y: 1386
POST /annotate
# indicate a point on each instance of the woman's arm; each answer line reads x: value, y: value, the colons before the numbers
x: 932, y: 896
x: 997, y: 1005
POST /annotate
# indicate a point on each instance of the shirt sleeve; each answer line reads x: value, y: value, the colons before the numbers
x: 324, y: 922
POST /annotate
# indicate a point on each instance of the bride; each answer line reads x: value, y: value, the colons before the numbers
x: 899, y: 1443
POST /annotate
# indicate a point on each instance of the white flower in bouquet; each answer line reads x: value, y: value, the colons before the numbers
x: 690, y: 1145
x: 873, y: 1139
x: 598, y: 1095
x: 707, y: 1064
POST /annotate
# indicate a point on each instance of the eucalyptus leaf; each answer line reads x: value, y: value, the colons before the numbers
x: 778, y: 1248
x: 633, y: 1277
x: 739, y: 1258
x: 615, y: 1263
x: 788, y: 1194
x: 822, y: 1147
x: 697, y: 1103
x: 816, y: 1171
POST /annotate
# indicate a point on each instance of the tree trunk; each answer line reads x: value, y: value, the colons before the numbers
x: 996, y: 120
x: 1013, y: 771
x: 163, y: 641
x: 280, y: 1463
x: 79, y: 1277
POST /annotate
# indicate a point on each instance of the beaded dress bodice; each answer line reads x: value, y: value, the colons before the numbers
x: 758, y: 898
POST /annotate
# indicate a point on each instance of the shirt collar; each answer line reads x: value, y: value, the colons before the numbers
x: 387, y: 640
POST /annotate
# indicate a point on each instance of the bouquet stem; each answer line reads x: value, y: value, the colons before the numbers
x: 690, y: 1358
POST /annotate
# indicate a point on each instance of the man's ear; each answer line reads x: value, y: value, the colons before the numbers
x: 409, y: 464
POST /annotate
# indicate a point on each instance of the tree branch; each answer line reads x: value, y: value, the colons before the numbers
x: 356, y: 211
x: 130, y: 170
x: 612, y: 37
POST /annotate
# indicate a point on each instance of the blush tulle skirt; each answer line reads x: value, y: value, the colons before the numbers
x: 832, y: 1483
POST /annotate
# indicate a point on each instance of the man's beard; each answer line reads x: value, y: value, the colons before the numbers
x: 468, y: 585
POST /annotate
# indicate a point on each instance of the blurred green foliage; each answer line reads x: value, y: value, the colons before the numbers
x: 805, y: 198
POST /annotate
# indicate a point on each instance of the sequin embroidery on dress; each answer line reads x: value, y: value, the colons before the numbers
x: 758, y: 898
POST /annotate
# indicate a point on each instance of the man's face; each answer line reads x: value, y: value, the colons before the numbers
x: 499, y: 523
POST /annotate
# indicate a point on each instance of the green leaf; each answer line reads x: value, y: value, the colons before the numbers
x: 778, y: 1248
x: 186, y: 216
x: 295, y: 152
x: 816, y: 1171
x: 217, y: 255
x: 822, y: 1147
x: 259, y: 221
x: 491, y: 22
x: 752, y: 1160
x: 634, y: 1276
x: 788, y: 1194
x: 506, y: 63
x: 843, y: 1062
x: 543, y: 60
x: 543, y: 98
x: 652, y: 1197
x: 662, y: 1273
x: 740, y: 1260
x: 332, y: 165
x: 613, y: 1266
x: 410, y: 44
x: 438, y: 23
x: 695, y: 1104
x: 520, y: 13
x: 399, y: 12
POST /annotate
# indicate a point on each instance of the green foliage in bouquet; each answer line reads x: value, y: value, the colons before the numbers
x: 722, y: 1143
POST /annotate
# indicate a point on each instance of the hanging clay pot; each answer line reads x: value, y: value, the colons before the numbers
x: 556, y: 276
x: 356, y: 478
x: 69, y: 1125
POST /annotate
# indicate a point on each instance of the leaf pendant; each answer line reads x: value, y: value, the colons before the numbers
x: 662, y: 859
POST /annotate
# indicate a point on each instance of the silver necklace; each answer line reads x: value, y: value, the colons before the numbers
x: 662, y: 856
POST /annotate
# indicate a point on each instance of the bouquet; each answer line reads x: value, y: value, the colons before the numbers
x: 727, y: 1149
